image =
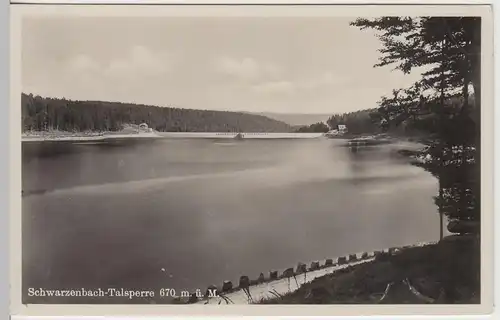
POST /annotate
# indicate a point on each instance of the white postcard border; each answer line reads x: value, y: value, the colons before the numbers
x: 18, y: 12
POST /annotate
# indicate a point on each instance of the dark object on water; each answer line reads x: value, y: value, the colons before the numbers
x: 369, y: 141
x: 273, y: 275
x: 409, y: 153
x: 352, y: 257
x: 239, y: 136
x: 464, y: 227
x: 227, y: 286
x: 329, y: 262
x: 33, y: 192
x: 342, y: 260
x: 364, y: 255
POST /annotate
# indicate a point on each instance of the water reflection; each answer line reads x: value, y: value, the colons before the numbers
x: 456, y: 168
x: 357, y: 156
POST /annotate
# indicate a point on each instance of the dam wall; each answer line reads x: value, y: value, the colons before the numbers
x: 244, y: 135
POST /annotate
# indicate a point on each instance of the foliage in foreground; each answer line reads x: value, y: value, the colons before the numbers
x: 448, y: 50
x: 446, y: 272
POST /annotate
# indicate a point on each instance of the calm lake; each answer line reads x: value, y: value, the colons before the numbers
x: 114, y: 214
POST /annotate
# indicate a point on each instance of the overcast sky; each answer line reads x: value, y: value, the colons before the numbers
x: 287, y: 65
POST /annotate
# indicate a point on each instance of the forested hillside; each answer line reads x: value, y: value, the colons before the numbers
x: 315, y: 127
x: 357, y: 122
x: 42, y: 114
x: 297, y: 119
x: 399, y: 118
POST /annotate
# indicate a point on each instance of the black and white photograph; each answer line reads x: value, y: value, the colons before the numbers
x: 252, y: 160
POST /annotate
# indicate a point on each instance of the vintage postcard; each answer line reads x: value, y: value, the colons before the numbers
x: 251, y: 159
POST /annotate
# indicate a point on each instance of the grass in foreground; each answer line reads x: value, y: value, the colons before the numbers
x: 443, y: 273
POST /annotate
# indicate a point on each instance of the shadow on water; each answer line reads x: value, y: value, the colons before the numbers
x: 455, y: 160
x: 42, y: 149
x: 458, y: 173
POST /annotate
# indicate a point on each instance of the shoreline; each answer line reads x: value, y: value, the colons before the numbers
x: 273, y: 288
x: 80, y: 136
x: 96, y: 137
x: 443, y: 272
x: 351, y: 141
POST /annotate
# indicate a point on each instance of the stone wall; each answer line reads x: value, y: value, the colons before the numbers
x: 301, y: 268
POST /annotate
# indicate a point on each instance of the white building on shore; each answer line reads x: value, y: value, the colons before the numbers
x: 143, y: 127
x: 339, y: 131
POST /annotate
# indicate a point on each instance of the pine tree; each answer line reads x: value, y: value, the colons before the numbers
x: 448, y: 49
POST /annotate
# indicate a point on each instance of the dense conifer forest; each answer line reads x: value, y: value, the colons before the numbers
x: 43, y: 114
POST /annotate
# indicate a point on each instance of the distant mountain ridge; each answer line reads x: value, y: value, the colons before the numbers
x: 296, y: 119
